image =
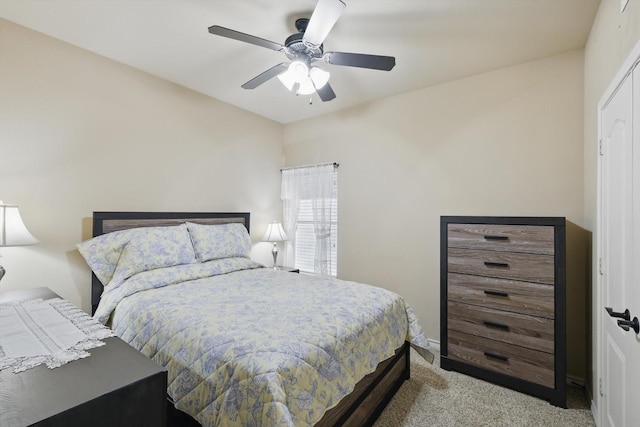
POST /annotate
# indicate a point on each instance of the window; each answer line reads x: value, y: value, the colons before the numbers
x: 306, y: 238
x: 310, y: 205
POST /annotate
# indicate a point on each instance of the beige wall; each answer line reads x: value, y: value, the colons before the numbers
x: 613, y: 36
x: 508, y: 142
x: 82, y: 133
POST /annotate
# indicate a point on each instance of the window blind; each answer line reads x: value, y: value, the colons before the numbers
x: 306, y: 237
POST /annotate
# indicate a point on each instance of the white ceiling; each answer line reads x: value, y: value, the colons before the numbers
x: 434, y: 41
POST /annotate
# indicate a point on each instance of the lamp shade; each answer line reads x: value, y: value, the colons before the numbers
x: 13, y: 232
x: 287, y: 80
x: 274, y: 233
x: 319, y: 76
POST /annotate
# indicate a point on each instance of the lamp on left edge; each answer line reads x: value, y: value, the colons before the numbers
x: 13, y: 232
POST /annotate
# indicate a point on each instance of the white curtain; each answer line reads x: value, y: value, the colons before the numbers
x: 290, y: 209
x: 317, y: 184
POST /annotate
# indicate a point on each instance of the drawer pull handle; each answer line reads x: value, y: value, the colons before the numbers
x: 496, y: 293
x: 496, y: 264
x: 496, y: 356
x: 490, y: 237
x: 496, y: 325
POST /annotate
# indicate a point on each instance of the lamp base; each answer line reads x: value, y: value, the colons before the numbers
x: 274, y: 252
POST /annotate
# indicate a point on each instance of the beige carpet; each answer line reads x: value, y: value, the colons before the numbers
x: 435, y: 397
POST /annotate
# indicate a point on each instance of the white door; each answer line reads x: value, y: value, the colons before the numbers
x: 620, y: 254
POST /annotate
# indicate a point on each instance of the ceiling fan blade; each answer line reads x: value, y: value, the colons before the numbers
x: 361, y: 60
x: 237, y: 35
x: 263, y: 77
x: 322, y: 20
x: 326, y: 93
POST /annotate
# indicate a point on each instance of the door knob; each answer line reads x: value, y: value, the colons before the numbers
x: 633, y: 324
x: 626, y: 315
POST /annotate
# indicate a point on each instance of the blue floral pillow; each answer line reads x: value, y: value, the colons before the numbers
x: 103, y: 252
x: 154, y: 247
x: 219, y: 241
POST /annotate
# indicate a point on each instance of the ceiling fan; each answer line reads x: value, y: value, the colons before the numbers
x: 303, y: 49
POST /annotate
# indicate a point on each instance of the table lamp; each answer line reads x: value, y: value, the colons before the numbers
x: 275, y: 233
x: 13, y: 232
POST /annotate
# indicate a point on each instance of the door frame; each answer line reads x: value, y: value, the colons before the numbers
x: 633, y: 59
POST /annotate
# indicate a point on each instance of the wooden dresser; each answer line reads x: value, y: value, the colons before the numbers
x: 503, y: 302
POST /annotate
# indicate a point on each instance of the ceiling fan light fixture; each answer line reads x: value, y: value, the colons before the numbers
x: 298, y: 72
x: 315, y: 80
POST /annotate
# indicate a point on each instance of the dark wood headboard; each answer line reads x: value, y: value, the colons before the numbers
x: 107, y: 222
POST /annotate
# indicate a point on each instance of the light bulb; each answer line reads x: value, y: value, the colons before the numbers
x: 298, y: 71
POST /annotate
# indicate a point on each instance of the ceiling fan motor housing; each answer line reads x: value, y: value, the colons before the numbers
x: 297, y: 48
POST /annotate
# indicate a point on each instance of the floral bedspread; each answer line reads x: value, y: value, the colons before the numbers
x: 253, y: 346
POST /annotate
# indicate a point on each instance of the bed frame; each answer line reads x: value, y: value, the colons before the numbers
x: 360, y: 408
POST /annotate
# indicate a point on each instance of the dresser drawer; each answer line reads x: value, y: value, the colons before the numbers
x: 502, y: 237
x: 506, y: 265
x: 511, y: 295
x: 518, y: 362
x: 512, y: 328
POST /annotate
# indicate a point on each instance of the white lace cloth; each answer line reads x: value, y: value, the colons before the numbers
x: 53, y: 332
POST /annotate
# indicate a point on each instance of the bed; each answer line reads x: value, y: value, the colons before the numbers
x: 244, y: 344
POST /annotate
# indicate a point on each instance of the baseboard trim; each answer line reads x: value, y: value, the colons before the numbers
x: 594, y: 413
x: 435, y: 345
x: 576, y: 381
